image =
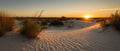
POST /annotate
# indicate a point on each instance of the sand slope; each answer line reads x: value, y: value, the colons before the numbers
x: 85, y: 39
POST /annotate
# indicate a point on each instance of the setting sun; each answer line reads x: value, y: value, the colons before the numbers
x: 87, y: 16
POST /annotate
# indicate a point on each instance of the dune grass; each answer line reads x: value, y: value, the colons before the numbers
x: 6, y: 23
x: 31, y: 29
x: 113, y: 21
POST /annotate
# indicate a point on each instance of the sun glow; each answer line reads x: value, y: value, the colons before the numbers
x: 87, y: 16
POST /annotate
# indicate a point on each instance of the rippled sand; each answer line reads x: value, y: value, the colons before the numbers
x: 86, y: 39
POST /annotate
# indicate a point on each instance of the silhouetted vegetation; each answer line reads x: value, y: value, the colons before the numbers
x: 1, y: 32
x: 31, y: 29
x: 44, y: 21
x: 56, y: 23
x: 113, y: 21
x: 53, y: 22
x: 6, y: 23
x: 63, y: 18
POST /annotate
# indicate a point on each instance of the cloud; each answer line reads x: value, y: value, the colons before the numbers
x: 112, y: 9
x: 105, y: 10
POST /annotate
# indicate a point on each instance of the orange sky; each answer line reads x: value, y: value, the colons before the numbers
x: 73, y: 14
x: 58, y: 8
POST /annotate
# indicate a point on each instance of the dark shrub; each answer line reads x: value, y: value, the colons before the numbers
x: 1, y: 32
x: 44, y: 21
x: 104, y: 23
x: 113, y: 21
x: 6, y: 23
x: 31, y: 29
x: 63, y: 18
x: 56, y: 23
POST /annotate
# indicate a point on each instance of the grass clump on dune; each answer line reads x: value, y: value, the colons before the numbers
x: 113, y: 21
x: 1, y: 32
x: 31, y: 29
x: 6, y: 23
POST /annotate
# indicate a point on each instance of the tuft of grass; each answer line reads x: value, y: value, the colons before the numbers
x: 104, y: 23
x: 44, y: 22
x: 56, y: 23
x: 6, y: 23
x: 31, y: 29
x: 2, y: 32
x: 113, y: 21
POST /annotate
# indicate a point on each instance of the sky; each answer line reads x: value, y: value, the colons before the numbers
x: 57, y: 8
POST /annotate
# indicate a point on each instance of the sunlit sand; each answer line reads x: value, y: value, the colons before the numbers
x: 87, y: 38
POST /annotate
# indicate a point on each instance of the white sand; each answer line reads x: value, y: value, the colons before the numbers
x: 85, y: 39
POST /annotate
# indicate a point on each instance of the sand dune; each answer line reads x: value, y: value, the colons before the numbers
x: 85, y: 39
